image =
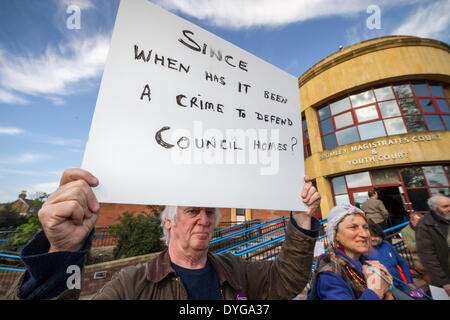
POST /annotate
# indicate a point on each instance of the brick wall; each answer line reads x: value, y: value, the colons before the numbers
x: 268, y: 215
x: 91, y: 285
x: 225, y: 214
x: 109, y: 212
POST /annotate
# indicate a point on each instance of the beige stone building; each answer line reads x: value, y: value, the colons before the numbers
x: 376, y: 115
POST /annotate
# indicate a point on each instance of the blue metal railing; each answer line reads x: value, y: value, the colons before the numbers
x: 259, y: 245
x: 401, y: 225
x: 279, y: 240
x: 247, y: 230
x: 239, y: 226
x: 245, y: 243
x: 243, y: 238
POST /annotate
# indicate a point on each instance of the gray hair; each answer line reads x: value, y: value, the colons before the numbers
x: 432, y: 203
x: 170, y: 213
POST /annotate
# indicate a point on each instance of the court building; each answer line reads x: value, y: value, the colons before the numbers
x: 376, y: 115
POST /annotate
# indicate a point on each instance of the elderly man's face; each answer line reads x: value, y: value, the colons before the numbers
x: 443, y: 205
x: 193, y: 228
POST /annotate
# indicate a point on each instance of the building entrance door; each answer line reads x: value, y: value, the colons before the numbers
x: 393, y: 201
x: 389, y: 195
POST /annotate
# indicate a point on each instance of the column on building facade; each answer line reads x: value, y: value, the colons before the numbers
x: 325, y: 189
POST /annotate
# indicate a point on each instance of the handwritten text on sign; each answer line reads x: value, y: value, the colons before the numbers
x: 185, y: 118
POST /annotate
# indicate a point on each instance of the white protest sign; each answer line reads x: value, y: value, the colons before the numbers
x: 184, y: 117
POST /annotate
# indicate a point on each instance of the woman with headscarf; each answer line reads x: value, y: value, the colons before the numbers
x: 343, y: 273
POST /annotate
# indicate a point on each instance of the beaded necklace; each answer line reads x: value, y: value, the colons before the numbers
x: 360, y: 281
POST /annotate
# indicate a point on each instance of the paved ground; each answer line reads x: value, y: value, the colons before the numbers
x: 87, y: 297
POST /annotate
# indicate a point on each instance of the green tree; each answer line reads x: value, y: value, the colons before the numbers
x: 9, y: 219
x: 30, y: 226
x: 137, y: 235
x: 25, y: 233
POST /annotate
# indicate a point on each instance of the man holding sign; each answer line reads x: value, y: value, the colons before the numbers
x: 184, y: 271
x: 164, y: 76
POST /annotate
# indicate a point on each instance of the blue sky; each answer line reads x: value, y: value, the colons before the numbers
x: 50, y: 74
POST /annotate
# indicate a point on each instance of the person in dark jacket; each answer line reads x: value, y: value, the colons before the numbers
x: 420, y: 277
x: 186, y: 270
x: 343, y: 273
x: 433, y: 242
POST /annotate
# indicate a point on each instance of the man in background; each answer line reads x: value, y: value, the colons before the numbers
x: 420, y: 277
x: 433, y: 242
x: 375, y: 209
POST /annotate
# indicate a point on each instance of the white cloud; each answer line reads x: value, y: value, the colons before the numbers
x: 7, y: 196
x: 47, y: 187
x: 27, y: 157
x: 55, y: 71
x: 66, y: 142
x: 27, y: 172
x: 430, y: 21
x: 11, y: 130
x: 238, y: 14
x: 82, y: 4
x: 8, y: 97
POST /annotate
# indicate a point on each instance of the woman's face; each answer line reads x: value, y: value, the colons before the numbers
x: 353, y: 236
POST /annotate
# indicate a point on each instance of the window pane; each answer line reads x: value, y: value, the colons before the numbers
x: 343, y: 120
x: 385, y: 176
x: 444, y: 191
x: 447, y: 121
x: 339, y: 185
x: 339, y: 106
x: 418, y: 198
x: 389, y: 109
x: 324, y: 112
x: 415, y: 124
x: 427, y: 105
x: 360, y: 197
x: 366, y: 113
x: 435, y: 176
x: 437, y: 91
x: 384, y: 93
x: 403, y: 91
x: 326, y: 126
x: 371, y: 130
x: 395, y: 126
x: 341, y: 200
x: 304, y: 124
x: 412, y: 177
x: 409, y: 106
x: 434, y: 122
x: 361, y: 99
x: 421, y: 89
x: 358, y: 180
x: 346, y: 136
x: 443, y: 105
x: 329, y: 141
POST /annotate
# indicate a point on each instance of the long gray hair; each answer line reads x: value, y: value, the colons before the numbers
x: 170, y: 213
